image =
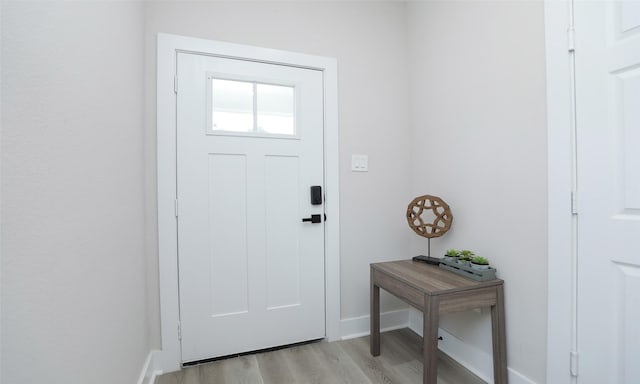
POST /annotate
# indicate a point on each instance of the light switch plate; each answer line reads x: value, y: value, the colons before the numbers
x: 359, y: 163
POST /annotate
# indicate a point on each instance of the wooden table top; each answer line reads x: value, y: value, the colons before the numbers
x: 428, y: 278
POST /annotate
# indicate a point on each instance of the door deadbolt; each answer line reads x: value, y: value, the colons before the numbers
x: 316, y: 195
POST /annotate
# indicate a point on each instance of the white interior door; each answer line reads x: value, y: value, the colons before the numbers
x: 608, y: 120
x: 250, y: 146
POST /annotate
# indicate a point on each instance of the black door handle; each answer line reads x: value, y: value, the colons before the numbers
x: 314, y: 219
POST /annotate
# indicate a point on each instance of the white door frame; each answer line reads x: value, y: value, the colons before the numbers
x: 561, y: 166
x: 169, y: 358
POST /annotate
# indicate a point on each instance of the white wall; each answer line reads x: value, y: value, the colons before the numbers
x: 73, y: 266
x: 479, y: 141
x: 445, y: 97
x: 1, y: 125
x: 1, y: 122
x: 369, y: 41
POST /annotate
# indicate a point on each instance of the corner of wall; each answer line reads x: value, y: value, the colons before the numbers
x: 480, y: 96
x: 1, y: 81
x: 149, y: 370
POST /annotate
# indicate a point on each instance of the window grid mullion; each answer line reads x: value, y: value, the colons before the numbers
x: 255, y: 107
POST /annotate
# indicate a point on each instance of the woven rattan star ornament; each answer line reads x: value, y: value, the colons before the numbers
x: 423, y: 208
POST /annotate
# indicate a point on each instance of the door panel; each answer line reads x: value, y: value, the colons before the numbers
x: 227, y: 217
x: 282, y: 248
x: 608, y: 120
x: 250, y: 144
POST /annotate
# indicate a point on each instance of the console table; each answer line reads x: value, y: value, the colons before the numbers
x: 435, y: 291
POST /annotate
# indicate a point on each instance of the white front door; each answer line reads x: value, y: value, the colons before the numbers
x: 249, y: 147
x: 608, y: 120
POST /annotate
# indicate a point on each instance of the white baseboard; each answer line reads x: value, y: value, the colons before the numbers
x: 359, y: 326
x: 148, y: 373
x: 479, y: 362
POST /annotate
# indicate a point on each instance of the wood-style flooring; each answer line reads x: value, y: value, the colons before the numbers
x: 346, y: 362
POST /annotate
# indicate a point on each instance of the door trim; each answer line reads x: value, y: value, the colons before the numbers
x: 562, y: 249
x: 169, y: 357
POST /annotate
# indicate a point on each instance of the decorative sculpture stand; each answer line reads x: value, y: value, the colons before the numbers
x: 441, y: 223
x: 442, y: 219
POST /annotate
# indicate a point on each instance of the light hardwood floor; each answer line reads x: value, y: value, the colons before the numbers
x: 346, y: 362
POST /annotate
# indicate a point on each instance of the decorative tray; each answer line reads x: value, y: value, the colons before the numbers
x: 468, y: 271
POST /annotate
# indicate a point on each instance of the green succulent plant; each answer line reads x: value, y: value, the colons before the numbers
x: 480, y: 260
x: 452, y: 252
x: 466, y: 253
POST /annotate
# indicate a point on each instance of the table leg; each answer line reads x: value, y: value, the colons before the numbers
x: 375, y: 318
x: 498, y: 332
x: 430, y: 339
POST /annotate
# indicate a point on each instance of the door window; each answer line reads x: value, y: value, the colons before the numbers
x: 237, y: 107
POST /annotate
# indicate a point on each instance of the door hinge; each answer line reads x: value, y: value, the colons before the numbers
x: 571, y: 39
x: 176, y: 207
x: 175, y: 84
x: 179, y: 331
x: 574, y: 203
x: 574, y: 363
